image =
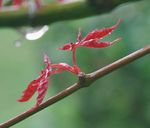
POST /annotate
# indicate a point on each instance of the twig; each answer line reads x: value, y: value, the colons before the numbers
x: 85, y: 80
x: 119, y: 63
x: 54, y: 12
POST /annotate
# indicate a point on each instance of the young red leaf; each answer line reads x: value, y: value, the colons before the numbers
x: 95, y: 43
x: 92, y: 40
x: 63, y: 66
x: 42, y: 89
x: 29, y: 92
x: 40, y: 84
x: 100, y: 33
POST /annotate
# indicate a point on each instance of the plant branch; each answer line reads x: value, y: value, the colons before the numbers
x: 85, y: 80
x: 119, y: 63
x: 54, y: 12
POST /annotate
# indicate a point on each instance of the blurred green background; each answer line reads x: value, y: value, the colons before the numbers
x: 118, y: 100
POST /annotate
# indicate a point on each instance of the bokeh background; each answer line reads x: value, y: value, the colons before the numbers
x: 118, y: 100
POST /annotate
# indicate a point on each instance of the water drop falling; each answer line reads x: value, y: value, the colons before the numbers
x: 36, y: 33
x: 17, y: 43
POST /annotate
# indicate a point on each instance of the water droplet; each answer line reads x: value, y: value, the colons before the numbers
x: 17, y: 43
x: 36, y: 33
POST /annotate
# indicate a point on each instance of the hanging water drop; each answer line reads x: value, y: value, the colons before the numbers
x: 30, y: 33
x: 36, y: 33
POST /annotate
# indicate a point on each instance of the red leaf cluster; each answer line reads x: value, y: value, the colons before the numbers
x: 63, y: 66
x: 40, y: 84
x: 92, y: 40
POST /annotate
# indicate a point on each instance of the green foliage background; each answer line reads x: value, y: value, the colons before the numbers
x: 118, y: 100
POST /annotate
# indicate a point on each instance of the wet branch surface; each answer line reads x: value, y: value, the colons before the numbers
x: 85, y: 80
x: 54, y: 12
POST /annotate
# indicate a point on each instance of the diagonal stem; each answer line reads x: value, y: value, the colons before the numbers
x: 119, y: 63
x: 85, y: 80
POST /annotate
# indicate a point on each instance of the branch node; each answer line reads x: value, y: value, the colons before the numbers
x: 83, y: 81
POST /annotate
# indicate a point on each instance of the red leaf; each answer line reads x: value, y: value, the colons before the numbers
x: 40, y: 84
x: 95, y: 43
x: 79, y: 37
x: 42, y: 88
x: 63, y: 66
x: 29, y: 92
x: 47, y: 62
x: 92, y: 39
x: 100, y: 33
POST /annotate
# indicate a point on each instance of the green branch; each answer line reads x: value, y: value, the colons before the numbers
x: 85, y: 80
x: 54, y: 12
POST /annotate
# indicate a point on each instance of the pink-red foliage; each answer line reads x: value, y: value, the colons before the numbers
x: 93, y: 39
x: 64, y: 67
x: 40, y: 84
